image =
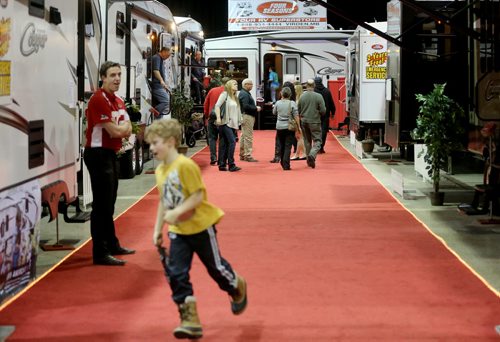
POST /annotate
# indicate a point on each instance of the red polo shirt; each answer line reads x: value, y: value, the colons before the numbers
x: 211, y: 99
x: 104, y: 107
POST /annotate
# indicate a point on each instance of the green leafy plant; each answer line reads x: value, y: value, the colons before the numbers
x: 439, y: 125
x: 181, y: 106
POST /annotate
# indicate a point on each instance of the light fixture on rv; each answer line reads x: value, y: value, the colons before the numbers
x: 273, y: 46
x: 172, y: 26
x: 202, y: 34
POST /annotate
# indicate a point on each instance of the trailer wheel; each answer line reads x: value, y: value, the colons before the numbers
x: 191, y: 141
x: 139, y: 154
x: 127, y: 164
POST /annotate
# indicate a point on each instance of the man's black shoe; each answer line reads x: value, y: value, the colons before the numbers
x: 213, y: 162
x: 234, y: 168
x: 109, y: 260
x: 275, y: 160
x: 122, y: 251
x: 311, y: 162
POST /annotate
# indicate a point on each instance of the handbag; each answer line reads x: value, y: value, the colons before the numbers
x: 292, y: 124
x: 213, y: 116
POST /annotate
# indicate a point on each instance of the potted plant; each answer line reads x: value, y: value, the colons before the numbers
x: 181, y: 107
x: 440, y: 127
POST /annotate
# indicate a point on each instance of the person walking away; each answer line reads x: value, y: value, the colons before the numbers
x: 197, y: 76
x: 283, y: 109
x: 159, y: 83
x: 107, y: 124
x: 299, y: 152
x: 273, y: 83
x: 311, y: 108
x: 191, y: 221
x: 249, y: 109
x: 227, y: 123
x: 212, y: 129
x: 330, y: 108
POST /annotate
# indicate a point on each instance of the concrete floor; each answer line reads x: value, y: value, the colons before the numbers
x: 477, y: 245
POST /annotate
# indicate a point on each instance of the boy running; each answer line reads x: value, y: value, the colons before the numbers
x: 191, y: 223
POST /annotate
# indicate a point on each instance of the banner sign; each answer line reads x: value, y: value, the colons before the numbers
x: 20, y: 213
x: 374, y: 59
x: 258, y: 15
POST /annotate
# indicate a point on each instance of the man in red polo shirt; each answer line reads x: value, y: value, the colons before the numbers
x: 107, y: 123
x: 212, y: 129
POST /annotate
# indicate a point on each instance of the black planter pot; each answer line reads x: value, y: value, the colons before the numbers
x: 437, y: 198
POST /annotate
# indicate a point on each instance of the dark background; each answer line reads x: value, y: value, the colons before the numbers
x: 213, y: 14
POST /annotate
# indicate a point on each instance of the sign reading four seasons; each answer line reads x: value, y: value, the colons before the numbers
x: 258, y: 15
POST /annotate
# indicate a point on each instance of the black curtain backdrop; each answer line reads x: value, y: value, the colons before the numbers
x: 213, y: 14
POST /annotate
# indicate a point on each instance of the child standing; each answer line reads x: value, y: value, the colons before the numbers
x: 191, y: 223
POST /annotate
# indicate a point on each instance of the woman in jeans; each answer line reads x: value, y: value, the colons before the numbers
x: 283, y: 109
x: 228, y: 118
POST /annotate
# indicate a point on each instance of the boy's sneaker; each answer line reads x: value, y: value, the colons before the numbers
x: 239, y: 299
x: 190, y: 323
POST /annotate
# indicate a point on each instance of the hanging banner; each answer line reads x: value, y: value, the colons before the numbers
x: 258, y: 15
x: 20, y: 213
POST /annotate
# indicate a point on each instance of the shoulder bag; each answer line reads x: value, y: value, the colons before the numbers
x: 292, y: 124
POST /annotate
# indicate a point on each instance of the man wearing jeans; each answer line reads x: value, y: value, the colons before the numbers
x: 249, y: 110
x: 311, y: 108
x: 159, y: 83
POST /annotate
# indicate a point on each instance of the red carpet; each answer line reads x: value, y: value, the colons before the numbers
x: 328, y: 254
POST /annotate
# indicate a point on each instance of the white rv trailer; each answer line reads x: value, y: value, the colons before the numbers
x: 365, y: 81
x: 50, y: 53
x: 136, y: 30
x: 191, y: 40
x: 295, y: 55
x: 42, y: 83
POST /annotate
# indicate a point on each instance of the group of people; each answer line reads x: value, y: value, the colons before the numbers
x: 183, y: 204
x: 311, y: 109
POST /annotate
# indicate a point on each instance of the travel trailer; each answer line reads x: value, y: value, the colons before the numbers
x: 50, y: 53
x: 365, y: 82
x: 296, y: 56
x: 191, y: 39
x: 136, y: 30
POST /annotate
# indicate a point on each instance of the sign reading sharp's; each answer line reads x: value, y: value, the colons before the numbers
x: 275, y: 15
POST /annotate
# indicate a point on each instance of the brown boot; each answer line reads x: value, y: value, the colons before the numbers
x: 190, y: 323
x: 239, y: 299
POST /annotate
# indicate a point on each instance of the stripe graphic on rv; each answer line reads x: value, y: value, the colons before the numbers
x: 13, y: 119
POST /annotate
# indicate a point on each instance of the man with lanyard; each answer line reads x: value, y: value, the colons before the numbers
x: 159, y: 84
x: 107, y: 124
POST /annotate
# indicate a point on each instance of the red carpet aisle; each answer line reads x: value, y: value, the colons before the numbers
x: 328, y: 254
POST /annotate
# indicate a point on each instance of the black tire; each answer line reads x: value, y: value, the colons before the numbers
x: 191, y: 140
x: 139, y: 158
x: 127, y: 164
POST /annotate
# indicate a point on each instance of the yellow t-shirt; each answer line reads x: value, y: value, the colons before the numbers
x: 178, y: 181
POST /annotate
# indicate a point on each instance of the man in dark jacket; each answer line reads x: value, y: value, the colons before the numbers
x: 330, y: 108
x: 249, y: 110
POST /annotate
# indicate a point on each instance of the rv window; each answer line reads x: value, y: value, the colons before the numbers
x: 235, y: 68
x: 291, y: 66
x: 37, y: 8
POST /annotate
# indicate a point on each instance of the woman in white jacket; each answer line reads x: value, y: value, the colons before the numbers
x: 228, y: 112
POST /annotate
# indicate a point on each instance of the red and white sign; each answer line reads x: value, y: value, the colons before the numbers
x: 275, y: 15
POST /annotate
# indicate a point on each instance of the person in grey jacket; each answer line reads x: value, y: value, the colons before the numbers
x: 311, y: 108
x: 249, y: 110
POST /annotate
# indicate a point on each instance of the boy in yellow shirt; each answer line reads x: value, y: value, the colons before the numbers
x: 191, y: 223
